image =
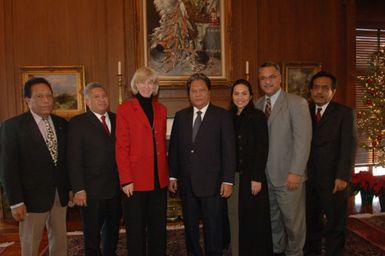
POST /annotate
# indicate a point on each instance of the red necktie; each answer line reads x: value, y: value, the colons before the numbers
x: 318, y: 115
x: 105, y: 125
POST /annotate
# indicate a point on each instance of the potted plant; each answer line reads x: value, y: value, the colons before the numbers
x: 379, y: 190
x: 364, y: 182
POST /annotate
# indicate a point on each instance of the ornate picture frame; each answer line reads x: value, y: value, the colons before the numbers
x: 67, y: 84
x: 296, y: 76
x: 179, y: 38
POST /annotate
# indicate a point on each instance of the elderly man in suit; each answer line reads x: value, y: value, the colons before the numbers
x: 330, y: 167
x: 93, y: 172
x: 289, y: 126
x: 202, y: 158
x: 33, y: 170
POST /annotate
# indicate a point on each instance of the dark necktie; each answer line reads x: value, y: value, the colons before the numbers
x: 318, y: 115
x: 197, y: 124
x: 51, y: 141
x: 105, y: 125
x: 268, y: 107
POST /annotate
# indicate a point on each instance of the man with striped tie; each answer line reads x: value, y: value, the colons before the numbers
x: 289, y: 126
x: 33, y: 170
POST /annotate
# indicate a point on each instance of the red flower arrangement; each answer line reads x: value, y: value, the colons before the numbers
x: 379, y: 186
x: 363, y: 181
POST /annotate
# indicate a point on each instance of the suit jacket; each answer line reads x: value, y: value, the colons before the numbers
x: 333, y: 145
x: 290, y: 132
x: 135, y: 142
x: 91, y: 156
x: 210, y: 159
x: 27, y: 169
x: 252, y: 144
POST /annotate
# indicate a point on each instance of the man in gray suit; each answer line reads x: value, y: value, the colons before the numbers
x: 289, y: 125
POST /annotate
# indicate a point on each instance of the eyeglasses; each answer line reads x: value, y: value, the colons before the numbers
x: 265, y: 78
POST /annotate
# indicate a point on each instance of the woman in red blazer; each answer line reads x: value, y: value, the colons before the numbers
x: 142, y: 164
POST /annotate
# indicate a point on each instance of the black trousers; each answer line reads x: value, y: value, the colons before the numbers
x: 145, y: 217
x: 319, y: 203
x: 101, y: 216
x: 211, y: 210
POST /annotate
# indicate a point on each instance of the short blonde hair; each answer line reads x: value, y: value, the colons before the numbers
x: 141, y: 75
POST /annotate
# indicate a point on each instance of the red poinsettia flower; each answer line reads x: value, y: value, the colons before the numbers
x: 379, y: 187
x: 363, y: 181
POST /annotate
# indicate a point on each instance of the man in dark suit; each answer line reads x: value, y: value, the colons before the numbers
x: 93, y: 171
x: 34, y: 172
x: 202, y: 158
x: 329, y: 168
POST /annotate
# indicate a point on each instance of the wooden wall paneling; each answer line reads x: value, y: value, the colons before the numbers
x: 56, y: 33
x: 351, y: 73
x: 115, y: 48
x: 237, y: 33
x: 370, y: 13
x: 131, y: 28
x: 247, y: 41
x: 11, y: 93
x: 97, y: 34
x: 3, y: 84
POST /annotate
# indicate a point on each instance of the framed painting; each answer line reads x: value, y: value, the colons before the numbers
x: 67, y: 84
x: 179, y: 38
x: 297, y: 76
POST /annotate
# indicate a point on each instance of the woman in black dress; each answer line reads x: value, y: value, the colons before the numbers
x: 253, y: 202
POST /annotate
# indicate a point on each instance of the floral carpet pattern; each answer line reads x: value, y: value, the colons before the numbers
x: 365, y: 236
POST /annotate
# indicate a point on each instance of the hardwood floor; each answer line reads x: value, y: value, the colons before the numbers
x: 9, y: 228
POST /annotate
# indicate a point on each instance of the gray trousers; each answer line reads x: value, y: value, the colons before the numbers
x: 288, y: 222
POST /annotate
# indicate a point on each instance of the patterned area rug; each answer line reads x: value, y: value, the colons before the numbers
x: 174, y: 245
x: 366, y: 235
x: 360, y: 239
x: 376, y: 221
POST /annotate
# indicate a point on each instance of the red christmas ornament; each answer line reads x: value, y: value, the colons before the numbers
x: 359, y: 114
x: 369, y: 102
x: 369, y: 81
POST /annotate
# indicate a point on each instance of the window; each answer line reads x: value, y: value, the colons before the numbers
x: 367, y: 42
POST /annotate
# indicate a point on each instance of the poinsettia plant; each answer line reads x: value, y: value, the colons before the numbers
x: 363, y: 181
x: 379, y: 186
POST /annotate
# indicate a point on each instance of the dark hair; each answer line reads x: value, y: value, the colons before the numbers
x: 198, y: 76
x: 271, y: 64
x: 27, y: 90
x: 324, y: 74
x: 233, y: 107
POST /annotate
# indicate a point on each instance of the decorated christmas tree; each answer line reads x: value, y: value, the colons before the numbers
x: 371, y: 121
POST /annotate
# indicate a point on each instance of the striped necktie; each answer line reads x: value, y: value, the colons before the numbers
x: 268, y: 107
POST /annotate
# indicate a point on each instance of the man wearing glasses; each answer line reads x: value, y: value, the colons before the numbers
x: 289, y: 125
